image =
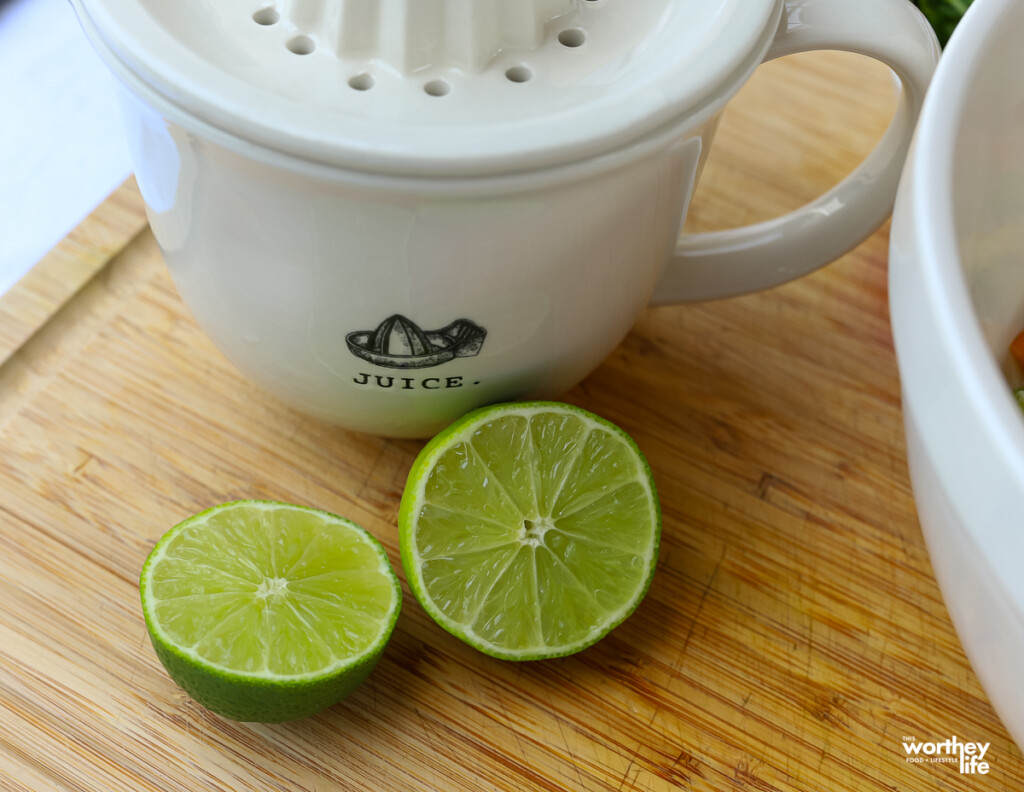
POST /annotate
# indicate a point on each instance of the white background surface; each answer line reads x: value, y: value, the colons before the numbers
x: 61, y: 146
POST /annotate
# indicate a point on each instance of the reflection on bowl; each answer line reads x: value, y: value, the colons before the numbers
x: 957, y: 300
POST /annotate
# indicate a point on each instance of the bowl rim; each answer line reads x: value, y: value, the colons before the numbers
x: 984, y: 592
x: 947, y: 289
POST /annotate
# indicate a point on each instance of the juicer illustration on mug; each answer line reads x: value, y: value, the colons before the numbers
x: 327, y: 178
x: 400, y: 343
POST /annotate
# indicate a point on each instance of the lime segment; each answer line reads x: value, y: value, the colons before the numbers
x: 530, y: 530
x: 265, y: 611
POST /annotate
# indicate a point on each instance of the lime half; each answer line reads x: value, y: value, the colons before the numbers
x: 268, y: 612
x: 531, y: 529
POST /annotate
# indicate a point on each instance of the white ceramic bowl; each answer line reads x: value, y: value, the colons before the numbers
x: 957, y: 300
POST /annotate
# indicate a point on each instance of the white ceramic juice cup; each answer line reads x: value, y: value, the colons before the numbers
x: 439, y: 238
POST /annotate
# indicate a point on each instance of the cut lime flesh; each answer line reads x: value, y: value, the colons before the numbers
x: 530, y: 530
x: 267, y: 611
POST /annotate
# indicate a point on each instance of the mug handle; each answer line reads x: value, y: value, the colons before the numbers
x: 719, y: 264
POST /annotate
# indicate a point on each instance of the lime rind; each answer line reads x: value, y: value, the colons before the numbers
x: 244, y: 690
x: 560, y: 594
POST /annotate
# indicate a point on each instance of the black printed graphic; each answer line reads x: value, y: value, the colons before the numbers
x: 400, y: 343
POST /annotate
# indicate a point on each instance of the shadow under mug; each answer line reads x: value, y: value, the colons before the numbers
x: 394, y: 304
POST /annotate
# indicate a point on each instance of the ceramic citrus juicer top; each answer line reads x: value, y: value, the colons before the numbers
x: 435, y: 86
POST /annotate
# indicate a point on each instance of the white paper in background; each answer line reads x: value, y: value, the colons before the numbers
x: 62, y: 151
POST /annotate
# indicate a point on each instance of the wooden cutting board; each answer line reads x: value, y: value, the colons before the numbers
x: 794, y: 635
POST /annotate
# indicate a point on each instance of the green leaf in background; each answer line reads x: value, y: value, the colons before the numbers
x: 943, y: 14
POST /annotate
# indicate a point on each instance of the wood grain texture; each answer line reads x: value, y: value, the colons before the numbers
x: 68, y: 267
x: 793, y: 634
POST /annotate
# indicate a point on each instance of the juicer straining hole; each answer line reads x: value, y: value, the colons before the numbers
x: 301, y: 45
x: 518, y: 74
x: 572, y: 37
x: 266, y: 16
x: 362, y: 82
x: 437, y: 88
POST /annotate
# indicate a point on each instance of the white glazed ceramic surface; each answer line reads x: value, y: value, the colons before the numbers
x: 388, y: 257
x: 281, y: 268
x: 957, y: 300
x: 626, y: 68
